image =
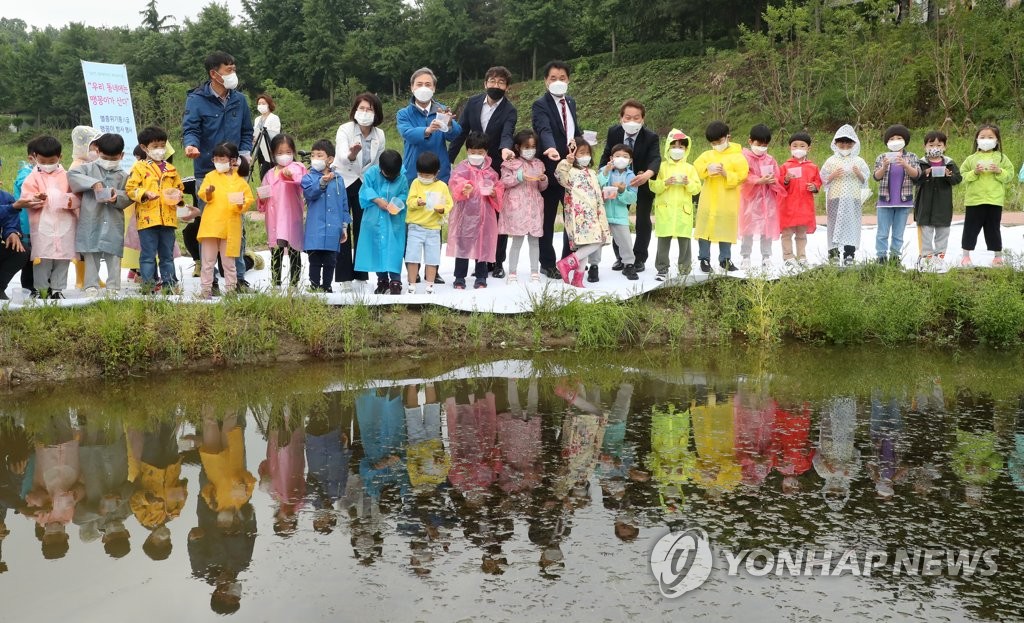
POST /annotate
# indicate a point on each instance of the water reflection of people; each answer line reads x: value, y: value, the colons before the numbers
x: 886, y: 428
x: 792, y: 444
x: 754, y: 421
x: 228, y: 484
x: 219, y: 552
x: 519, y: 441
x: 426, y: 518
x: 712, y: 419
x: 836, y: 458
x: 671, y: 461
x: 154, y: 467
x: 56, y: 485
x: 975, y: 458
x: 15, y: 453
x: 1015, y: 463
x: 328, y: 450
x: 925, y: 451
x: 283, y: 472
x: 103, y: 455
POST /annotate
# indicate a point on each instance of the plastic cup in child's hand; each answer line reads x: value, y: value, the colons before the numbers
x: 938, y: 171
x: 236, y: 198
x: 172, y: 196
x: 610, y: 192
x: 104, y: 195
x: 796, y: 173
x: 433, y: 199
x: 486, y: 189
x: 263, y: 192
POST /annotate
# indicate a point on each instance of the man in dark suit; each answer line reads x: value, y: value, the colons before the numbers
x: 554, y: 121
x: 492, y: 114
x: 632, y: 133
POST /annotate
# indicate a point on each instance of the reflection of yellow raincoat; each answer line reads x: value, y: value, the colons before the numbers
x: 428, y: 463
x: 713, y: 434
x: 149, y: 502
x: 719, y: 207
x: 673, y: 203
x: 225, y: 470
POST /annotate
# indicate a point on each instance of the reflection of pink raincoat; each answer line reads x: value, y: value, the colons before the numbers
x: 53, y: 227
x: 791, y: 440
x: 287, y: 467
x: 754, y: 420
x: 284, y: 207
x: 473, y: 430
x: 759, y: 203
x: 473, y: 224
x: 519, y: 443
x: 58, y: 472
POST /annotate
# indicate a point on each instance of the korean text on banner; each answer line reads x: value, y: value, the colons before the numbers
x: 110, y: 103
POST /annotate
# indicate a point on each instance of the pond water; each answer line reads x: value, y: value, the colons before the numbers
x: 528, y: 488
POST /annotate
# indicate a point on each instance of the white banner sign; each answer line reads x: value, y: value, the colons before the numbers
x: 110, y: 103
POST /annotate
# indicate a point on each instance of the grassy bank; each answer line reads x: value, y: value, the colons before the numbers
x: 868, y: 304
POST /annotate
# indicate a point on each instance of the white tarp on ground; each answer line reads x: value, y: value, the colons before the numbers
x: 502, y: 297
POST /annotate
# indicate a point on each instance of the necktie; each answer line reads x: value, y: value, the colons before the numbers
x: 630, y: 141
x: 565, y: 118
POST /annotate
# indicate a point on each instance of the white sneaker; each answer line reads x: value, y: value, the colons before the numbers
x: 512, y: 278
x: 745, y: 263
x: 92, y: 292
x: 534, y: 277
x: 792, y: 265
x: 965, y: 261
x: 411, y: 289
x: 430, y: 288
x: 766, y: 262
x: 661, y: 276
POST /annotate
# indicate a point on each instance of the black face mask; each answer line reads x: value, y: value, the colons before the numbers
x: 495, y: 93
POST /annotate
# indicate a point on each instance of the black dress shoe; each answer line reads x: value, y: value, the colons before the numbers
x: 638, y: 266
x: 705, y: 266
x: 592, y: 276
x: 618, y: 265
x: 498, y: 272
x: 550, y: 272
x: 438, y: 280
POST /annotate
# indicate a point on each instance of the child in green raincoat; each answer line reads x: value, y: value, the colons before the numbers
x: 674, y: 188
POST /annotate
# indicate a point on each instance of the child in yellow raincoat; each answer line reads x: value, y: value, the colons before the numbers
x: 674, y: 188
x: 722, y: 169
x: 227, y: 196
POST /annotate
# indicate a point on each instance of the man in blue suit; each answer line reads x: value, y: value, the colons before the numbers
x: 492, y: 114
x: 554, y: 121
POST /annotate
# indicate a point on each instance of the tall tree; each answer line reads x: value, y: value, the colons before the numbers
x: 152, y: 20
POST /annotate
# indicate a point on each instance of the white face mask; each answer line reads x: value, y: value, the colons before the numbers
x: 799, y: 154
x: 283, y: 160
x: 48, y: 168
x: 677, y: 153
x: 426, y: 181
x: 896, y: 144
x: 584, y: 161
x: 230, y: 81
x: 558, y: 88
x: 987, y: 144
x: 364, y: 118
x: 721, y: 146
x: 631, y: 127
x: 263, y: 108
x: 318, y: 165
x: 423, y: 95
x: 759, y: 150
x: 157, y: 155
x: 222, y: 167
x: 528, y: 154
x: 109, y: 165
x: 620, y: 163
x: 844, y: 152
x: 475, y: 159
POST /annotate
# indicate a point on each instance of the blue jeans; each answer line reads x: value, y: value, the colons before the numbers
x: 157, y: 241
x: 240, y: 260
x: 894, y: 220
x: 704, y: 250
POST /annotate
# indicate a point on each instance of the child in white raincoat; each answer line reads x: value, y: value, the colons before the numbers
x: 845, y: 176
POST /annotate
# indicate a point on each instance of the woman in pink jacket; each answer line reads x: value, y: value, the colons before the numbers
x: 280, y: 198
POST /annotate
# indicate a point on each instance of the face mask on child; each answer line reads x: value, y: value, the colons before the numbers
x: 620, y: 163
x: 896, y: 144
x: 222, y: 167
x: 677, y: 153
x: 721, y: 146
x: 426, y: 180
x: 283, y: 160
x: 110, y: 165
x: 759, y: 150
x: 935, y: 152
x: 157, y: 155
x: 844, y: 152
x: 799, y: 154
x: 528, y: 154
x: 584, y: 161
x: 318, y: 164
x: 987, y: 144
x: 48, y: 168
x: 476, y: 160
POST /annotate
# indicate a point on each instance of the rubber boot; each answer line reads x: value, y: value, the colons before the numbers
x: 567, y: 265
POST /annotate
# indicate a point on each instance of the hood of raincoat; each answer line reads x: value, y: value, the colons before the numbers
x: 675, y: 135
x: 846, y: 131
x: 81, y: 137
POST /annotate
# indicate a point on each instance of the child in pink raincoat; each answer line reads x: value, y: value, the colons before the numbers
x: 473, y: 224
x: 522, y: 212
x: 760, y: 196
x: 52, y: 217
x: 281, y: 201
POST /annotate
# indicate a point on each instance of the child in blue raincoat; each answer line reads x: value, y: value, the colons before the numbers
x: 381, y: 244
x: 326, y: 215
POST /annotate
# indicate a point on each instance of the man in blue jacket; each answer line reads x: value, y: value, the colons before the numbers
x: 215, y: 112
x: 492, y: 114
x: 420, y: 128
